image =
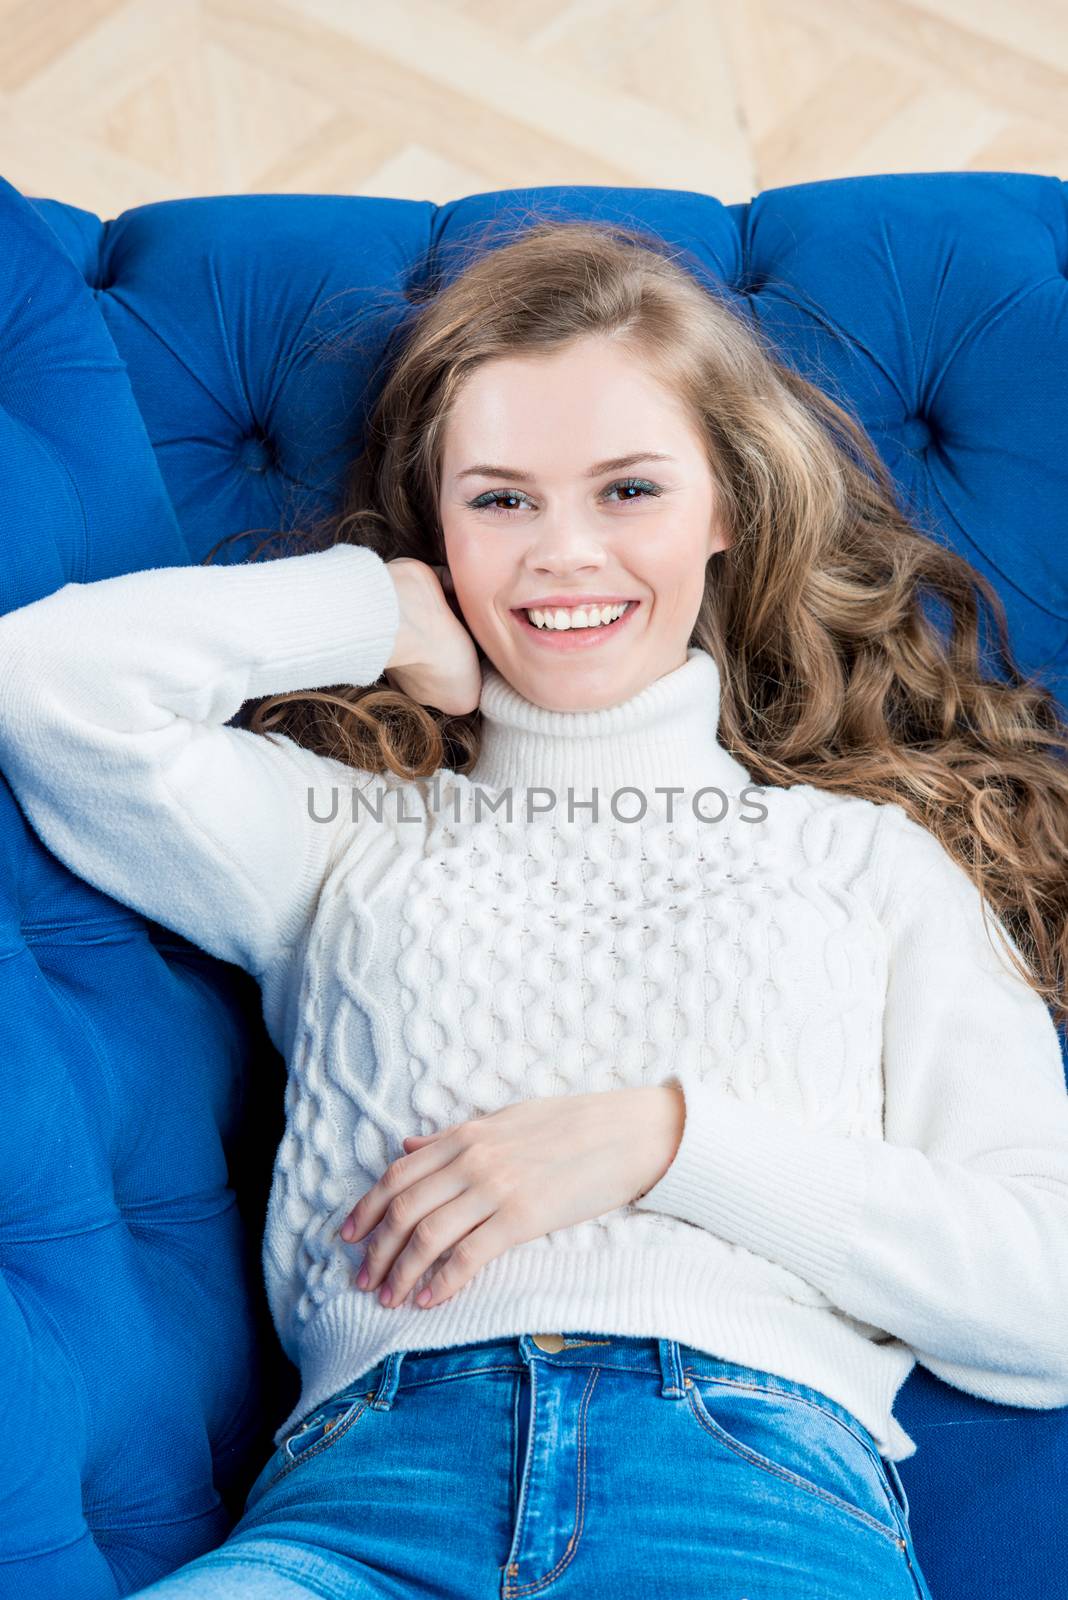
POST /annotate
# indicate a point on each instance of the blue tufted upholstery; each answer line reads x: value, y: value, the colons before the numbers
x: 197, y: 367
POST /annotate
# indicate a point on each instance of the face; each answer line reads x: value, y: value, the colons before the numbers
x: 537, y: 523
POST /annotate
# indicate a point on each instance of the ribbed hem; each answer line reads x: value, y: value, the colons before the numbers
x: 663, y: 1293
x: 757, y: 1178
x: 326, y: 617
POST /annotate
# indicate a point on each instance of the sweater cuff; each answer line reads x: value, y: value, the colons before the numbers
x: 322, y: 618
x: 760, y: 1179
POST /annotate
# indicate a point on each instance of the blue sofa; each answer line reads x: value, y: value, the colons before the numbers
x: 197, y: 368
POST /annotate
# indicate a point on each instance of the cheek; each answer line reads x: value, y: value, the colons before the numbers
x: 676, y: 563
x: 479, y: 573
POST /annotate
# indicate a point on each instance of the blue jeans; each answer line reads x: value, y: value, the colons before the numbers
x: 576, y: 1463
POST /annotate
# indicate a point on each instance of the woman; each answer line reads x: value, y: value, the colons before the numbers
x: 645, y: 1013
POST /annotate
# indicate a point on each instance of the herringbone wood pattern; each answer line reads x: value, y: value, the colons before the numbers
x: 109, y: 104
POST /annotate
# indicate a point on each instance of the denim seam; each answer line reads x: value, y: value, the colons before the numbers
x: 520, y: 1517
x: 514, y: 1485
x: 920, y: 1593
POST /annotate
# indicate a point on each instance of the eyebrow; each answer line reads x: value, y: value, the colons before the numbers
x: 613, y: 464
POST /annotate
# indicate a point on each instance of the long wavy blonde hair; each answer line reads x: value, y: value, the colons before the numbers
x: 833, y: 674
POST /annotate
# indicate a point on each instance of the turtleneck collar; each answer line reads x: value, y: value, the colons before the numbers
x: 665, y: 735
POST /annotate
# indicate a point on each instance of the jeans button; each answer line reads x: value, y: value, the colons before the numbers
x: 549, y: 1342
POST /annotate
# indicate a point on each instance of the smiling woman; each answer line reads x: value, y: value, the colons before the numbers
x: 768, y: 1104
x: 804, y: 580
x: 570, y: 538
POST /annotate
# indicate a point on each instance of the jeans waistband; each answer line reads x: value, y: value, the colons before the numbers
x: 406, y: 1368
x: 669, y: 1359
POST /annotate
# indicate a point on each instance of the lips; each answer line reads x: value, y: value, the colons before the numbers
x: 575, y: 638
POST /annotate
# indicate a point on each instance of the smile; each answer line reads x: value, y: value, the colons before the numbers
x: 570, y: 637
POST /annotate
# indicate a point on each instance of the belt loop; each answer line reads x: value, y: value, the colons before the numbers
x: 387, y: 1384
x: 897, y: 1485
x: 671, y: 1369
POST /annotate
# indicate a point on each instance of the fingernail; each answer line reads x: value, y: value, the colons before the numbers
x: 363, y: 1278
x: 386, y: 1296
x: 346, y: 1230
x: 422, y: 1297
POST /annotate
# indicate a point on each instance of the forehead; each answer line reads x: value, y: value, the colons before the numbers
x: 562, y: 413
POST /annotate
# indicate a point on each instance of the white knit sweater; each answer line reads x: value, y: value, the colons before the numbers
x: 874, y: 1163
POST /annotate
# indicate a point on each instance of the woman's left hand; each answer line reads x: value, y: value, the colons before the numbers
x: 482, y: 1186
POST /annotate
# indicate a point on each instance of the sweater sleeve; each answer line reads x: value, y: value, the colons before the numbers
x: 114, y: 699
x: 951, y: 1232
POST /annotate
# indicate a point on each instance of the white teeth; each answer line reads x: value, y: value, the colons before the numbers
x: 581, y: 617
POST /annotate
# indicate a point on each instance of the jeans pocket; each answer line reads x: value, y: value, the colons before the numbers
x: 324, y: 1427
x: 802, y: 1443
x: 320, y: 1430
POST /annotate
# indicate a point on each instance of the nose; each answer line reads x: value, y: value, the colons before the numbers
x: 565, y: 547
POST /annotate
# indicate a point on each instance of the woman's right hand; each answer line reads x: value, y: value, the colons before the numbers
x: 435, y: 659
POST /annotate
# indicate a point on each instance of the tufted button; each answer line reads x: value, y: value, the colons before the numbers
x: 255, y: 454
x: 916, y: 434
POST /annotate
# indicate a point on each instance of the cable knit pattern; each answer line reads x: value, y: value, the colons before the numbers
x: 874, y: 1164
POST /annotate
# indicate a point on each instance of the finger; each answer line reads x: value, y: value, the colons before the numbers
x: 446, y: 1229
x: 399, y: 1224
x: 469, y: 1256
x: 399, y: 1175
